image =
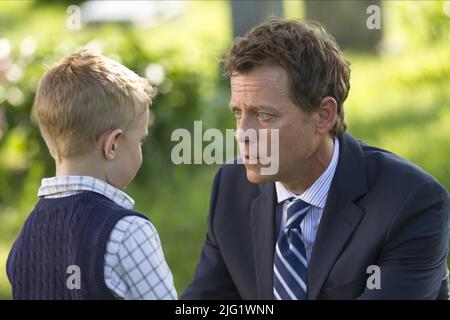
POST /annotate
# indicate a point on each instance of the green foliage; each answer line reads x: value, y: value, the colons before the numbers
x: 191, y: 90
x: 399, y: 101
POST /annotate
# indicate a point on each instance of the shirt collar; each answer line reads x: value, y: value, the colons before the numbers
x: 66, y: 185
x: 316, y: 194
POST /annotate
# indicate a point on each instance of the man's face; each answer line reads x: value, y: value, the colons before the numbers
x: 260, y: 100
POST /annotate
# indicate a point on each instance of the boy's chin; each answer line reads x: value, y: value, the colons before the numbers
x: 254, y: 175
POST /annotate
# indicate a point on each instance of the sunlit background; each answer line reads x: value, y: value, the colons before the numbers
x: 399, y: 98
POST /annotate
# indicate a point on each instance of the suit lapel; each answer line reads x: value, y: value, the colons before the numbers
x: 263, y: 236
x: 340, y: 216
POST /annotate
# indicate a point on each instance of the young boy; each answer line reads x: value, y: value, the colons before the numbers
x: 83, y: 240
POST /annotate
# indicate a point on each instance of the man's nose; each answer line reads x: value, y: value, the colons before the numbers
x: 242, y: 127
x: 246, y: 130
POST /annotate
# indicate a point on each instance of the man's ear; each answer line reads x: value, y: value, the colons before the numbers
x: 110, y: 143
x: 327, y: 115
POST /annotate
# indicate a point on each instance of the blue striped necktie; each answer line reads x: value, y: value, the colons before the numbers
x: 290, y: 265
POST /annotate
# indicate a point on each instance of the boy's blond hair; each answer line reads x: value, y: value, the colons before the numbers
x: 83, y: 96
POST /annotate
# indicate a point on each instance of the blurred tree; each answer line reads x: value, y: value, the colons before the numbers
x: 346, y: 20
x: 248, y: 13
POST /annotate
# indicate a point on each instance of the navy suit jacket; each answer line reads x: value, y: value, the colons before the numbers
x: 381, y: 210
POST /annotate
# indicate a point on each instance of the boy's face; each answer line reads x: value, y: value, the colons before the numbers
x: 128, y: 154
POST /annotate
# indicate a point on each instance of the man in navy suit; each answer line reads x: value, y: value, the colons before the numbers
x: 338, y: 219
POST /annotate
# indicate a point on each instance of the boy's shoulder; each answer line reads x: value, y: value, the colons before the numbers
x: 106, y: 205
x: 101, y: 207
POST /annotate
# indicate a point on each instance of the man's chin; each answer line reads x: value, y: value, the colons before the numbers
x: 254, y: 174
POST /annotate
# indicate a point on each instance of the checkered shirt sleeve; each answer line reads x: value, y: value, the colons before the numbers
x: 135, y: 267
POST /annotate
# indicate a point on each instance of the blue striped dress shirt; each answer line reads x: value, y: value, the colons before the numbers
x: 316, y: 196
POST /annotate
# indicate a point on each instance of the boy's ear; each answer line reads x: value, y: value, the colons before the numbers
x: 110, y: 143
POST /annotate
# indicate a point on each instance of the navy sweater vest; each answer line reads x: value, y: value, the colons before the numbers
x: 60, y: 251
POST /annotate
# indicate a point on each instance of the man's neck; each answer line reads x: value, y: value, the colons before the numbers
x: 312, y: 169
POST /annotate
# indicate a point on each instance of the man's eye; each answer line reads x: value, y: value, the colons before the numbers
x: 237, y: 113
x: 263, y: 115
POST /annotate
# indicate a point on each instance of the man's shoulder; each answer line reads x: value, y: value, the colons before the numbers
x: 233, y: 169
x: 389, y: 169
x: 231, y: 183
x: 236, y: 174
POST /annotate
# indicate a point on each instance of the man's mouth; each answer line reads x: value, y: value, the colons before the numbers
x: 252, y: 159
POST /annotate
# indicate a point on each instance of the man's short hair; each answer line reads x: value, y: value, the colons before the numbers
x: 315, y: 66
x: 83, y: 96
